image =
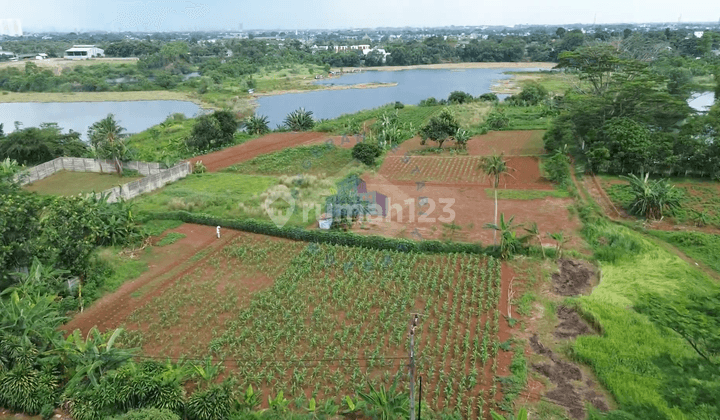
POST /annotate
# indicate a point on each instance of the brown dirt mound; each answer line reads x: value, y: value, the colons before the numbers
x: 571, y: 325
x: 570, y: 391
x: 260, y: 146
x: 575, y: 277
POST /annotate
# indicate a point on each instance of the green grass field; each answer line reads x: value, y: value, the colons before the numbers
x: 638, y: 360
x: 72, y: 183
x: 315, y: 159
x: 700, y: 246
x: 527, y: 118
x: 217, y: 194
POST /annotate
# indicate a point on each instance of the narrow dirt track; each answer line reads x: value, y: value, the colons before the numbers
x: 110, y: 311
x: 267, y: 144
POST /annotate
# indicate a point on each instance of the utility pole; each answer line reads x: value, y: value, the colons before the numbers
x: 413, y: 324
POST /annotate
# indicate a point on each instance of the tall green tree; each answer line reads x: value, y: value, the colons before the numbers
x: 495, y: 168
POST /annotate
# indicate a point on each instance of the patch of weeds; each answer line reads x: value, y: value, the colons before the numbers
x: 171, y: 238
x: 157, y: 227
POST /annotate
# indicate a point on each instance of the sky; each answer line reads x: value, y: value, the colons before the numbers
x: 182, y: 15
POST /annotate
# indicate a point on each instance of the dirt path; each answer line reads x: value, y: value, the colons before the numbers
x: 111, y: 310
x: 267, y: 144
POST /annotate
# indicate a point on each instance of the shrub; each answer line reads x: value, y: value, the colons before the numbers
x: 532, y: 94
x: 148, y: 414
x: 257, y: 124
x: 399, y: 105
x: 652, y: 197
x: 459, y: 97
x: 428, y: 102
x: 558, y: 168
x: 497, y: 120
x: 210, y: 404
x: 299, y: 120
x: 488, y: 97
x: 212, y: 131
x: 440, y: 127
x: 366, y: 152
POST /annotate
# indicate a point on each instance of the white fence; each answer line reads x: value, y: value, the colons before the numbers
x: 46, y: 169
x: 149, y: 183
x: 155, y: 176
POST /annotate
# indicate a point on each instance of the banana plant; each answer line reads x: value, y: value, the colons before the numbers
x: 280, y: 404
x: 92, y: 356
x: 206, y: 372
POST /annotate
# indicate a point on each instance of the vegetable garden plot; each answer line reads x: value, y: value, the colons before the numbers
x: 335, y: 318
x: 525, y: 173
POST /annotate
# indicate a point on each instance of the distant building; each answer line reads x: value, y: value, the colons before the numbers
x: 41, y: 56
x: 83, y: 52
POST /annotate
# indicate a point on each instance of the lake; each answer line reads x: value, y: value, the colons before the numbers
x: 134, y: 116
x: 412, y: 87
x: 701, y: 102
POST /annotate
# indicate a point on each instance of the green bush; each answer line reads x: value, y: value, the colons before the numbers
x: 148, y: 414
x: 366, y: 153
x: 488, y: 97
x: 211, y: 404
x: 459, y: 97
x: 299, y: 120
x: 213, y: 131
x: 557, y: 168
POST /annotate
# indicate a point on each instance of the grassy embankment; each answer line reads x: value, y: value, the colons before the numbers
x: 650, y: 369
x: 69, y: 183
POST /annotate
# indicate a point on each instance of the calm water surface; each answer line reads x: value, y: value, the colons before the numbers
x: 412, y: 87
x: 134, y: 116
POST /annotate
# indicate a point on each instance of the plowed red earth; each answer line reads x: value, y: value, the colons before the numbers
x: 462, y: 170
x: 260, y: 146
x: 111, y: 310
x: 470, y: 210
x: 511, y: 143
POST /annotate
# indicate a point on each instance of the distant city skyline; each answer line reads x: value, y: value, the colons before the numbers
x: 187, y: 15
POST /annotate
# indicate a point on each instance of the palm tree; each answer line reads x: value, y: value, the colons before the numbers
x: 105, y: 138
x: 495, y: 167
x: 510, y: 243
x: 534, y: 232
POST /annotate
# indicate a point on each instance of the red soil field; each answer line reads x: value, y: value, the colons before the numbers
x: 511, y: 143
x: 260, y: 146
x: 472, y: 210
x: 172, y: 262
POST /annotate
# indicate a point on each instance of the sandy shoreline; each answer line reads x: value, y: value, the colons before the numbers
x: 446, y: 66
x: 327, y: 87
x: 153, y: 95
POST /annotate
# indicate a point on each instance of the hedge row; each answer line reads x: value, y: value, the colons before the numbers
x: 326, y: 237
